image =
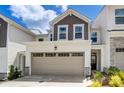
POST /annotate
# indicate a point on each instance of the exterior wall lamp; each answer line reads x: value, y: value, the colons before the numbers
x: 55, y: 47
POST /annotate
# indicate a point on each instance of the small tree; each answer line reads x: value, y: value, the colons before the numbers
x: 11, y: 73
x: 14, y: 73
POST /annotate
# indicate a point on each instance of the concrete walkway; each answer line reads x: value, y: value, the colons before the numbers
x: 49, y: 81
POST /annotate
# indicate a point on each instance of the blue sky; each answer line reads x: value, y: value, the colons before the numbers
x: 38, y: 17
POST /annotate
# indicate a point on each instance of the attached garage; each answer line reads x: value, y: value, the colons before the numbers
x: 119, y: 58
x: 57, y: 63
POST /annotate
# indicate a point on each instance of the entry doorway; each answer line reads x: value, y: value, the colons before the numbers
x: 96, y: 60
x: 93, y: 61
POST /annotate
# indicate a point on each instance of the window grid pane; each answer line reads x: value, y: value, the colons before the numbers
x: 62, y: 36
x: 78, y: 29
x: 119, y: 12
x: 119, y: 20
x: 78, y: 35
x: 62, y: 30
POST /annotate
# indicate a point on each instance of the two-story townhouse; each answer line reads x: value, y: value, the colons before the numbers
x: 110, y: 23
x: 68, y: 51
x: 73, y: 46
x: 11, y: 37
x: 106, y: 49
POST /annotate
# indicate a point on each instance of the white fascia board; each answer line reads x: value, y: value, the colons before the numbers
x: 11, y: 22
x: 69, y: 12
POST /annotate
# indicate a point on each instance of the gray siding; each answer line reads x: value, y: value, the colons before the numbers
x: 70, y: 20
x: 3, y: 33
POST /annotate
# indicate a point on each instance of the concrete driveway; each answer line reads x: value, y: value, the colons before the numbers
x: 46, y: 80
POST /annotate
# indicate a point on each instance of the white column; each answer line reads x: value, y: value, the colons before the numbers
x: 28, y: 61
x: 102, y: 59
x: 87, y: 64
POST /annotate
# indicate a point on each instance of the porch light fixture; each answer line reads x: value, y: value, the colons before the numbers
x: 55, y: 47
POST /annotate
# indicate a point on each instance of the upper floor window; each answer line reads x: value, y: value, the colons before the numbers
x: 62, y: 32
x: 78, y: 31
x: 94, y: 37
x: 119, y: 16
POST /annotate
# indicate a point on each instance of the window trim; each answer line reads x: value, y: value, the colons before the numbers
x: 82, y: 25
x: 66, y: 31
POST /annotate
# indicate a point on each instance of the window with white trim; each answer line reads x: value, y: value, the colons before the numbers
x: 119, y: 16
x: 94, y: 37
x: 62, y: 32
x: 78, y: 31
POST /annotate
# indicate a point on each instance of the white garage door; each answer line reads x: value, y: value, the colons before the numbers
x: 57, y: 63
x: 119, y: 58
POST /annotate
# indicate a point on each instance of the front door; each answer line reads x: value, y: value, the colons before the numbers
x: 93, y: 61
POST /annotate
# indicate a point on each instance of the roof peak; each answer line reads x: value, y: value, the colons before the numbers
x: 70, y: 11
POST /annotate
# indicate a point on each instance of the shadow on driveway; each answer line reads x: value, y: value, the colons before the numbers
x: 51, y: 78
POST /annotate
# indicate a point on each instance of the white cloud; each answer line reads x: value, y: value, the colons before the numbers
x: 63, y: 7
x: 35, y: 17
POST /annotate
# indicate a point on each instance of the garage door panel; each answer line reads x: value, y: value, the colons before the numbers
x: 57, y: 65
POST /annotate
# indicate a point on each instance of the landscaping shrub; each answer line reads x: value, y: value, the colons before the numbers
x: 98, y: 76
x: 14, y: 73
x: 96, y: 84
x: 113, y: 70
x: 115, y: 81
x: 17, y: 73
x: 121, y: 75
x: 11, y: 73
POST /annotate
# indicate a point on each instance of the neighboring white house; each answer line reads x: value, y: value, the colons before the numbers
x: 73, y: 46
x: 11, y: 37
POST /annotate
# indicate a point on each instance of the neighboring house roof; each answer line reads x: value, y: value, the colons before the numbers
x: 11, y: 22
x: 69, y: 12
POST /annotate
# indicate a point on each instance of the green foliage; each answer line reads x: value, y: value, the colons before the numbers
x: 17, y: 73
x: 14, y: 73
x: 98, y: 76
x: 96, y: 84
x: 121, y: 75
x: 113, y: 70
x: 115, y: 81
x: 11, y: 74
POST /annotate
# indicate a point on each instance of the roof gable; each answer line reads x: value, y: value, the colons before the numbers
x: 69, y: 12
x: 16, y: 25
